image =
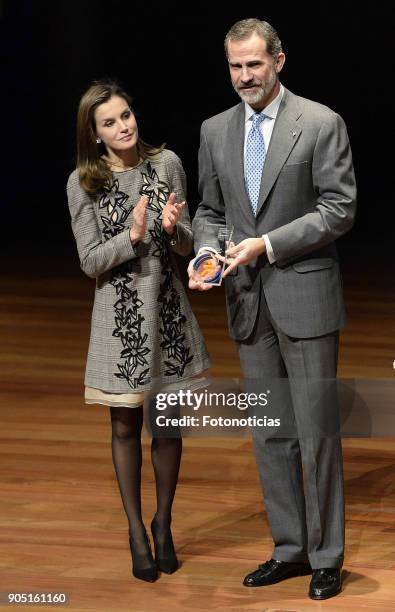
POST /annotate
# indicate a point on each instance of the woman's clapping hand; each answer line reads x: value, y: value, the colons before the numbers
x: 171, y: 213
x: 139, y: 223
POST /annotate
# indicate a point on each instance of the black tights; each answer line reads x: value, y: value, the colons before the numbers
x: 127, y: 457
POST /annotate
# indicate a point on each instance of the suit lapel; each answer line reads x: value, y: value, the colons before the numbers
x: 285, y: 135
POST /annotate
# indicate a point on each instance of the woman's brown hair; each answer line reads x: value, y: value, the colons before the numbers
x: 94, y: 172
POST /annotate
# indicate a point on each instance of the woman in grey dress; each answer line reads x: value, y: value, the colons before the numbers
x: 129, y: 218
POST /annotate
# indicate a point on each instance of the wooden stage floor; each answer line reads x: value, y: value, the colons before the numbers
x: 62, y: 527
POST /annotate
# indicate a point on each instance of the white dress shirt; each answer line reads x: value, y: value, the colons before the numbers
x: 266, y: 127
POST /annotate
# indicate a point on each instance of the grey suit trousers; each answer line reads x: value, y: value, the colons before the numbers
x: 300, y: 467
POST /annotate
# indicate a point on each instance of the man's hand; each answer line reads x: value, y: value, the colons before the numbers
x: 244, y: 252
x: 139, y: 223
x: 171, y: 213
x: 196, y: 284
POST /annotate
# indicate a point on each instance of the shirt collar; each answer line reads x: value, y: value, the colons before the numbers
x: 270, y: 110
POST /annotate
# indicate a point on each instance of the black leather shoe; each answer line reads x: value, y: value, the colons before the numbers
x: 325, y: 583
x: 275, y: 571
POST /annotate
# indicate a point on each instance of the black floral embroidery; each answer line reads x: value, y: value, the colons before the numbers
x: 174, y: 342
x: 156, y: 190
x: 128, y: 320
x: 114, y: 200
x: 128, y: 329
x: 173, y: 339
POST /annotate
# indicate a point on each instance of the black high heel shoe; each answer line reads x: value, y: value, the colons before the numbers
x: 150, y: 573
x: 165, y: 555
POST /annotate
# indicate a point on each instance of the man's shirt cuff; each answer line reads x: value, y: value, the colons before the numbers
x: 269, y: 250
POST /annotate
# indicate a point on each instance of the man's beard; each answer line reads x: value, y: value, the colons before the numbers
x: 263, y: 90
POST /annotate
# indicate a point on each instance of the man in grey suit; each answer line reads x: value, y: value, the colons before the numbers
x: 278, y: 168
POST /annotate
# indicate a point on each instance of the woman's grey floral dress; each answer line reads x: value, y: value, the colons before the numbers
x: 143, y: 329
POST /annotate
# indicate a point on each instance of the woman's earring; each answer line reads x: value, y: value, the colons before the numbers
x: 98, y: 140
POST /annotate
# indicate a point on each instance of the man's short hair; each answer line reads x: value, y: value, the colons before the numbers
x: 245, y: 28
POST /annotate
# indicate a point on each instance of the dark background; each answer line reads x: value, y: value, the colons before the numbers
x: 170, y: 58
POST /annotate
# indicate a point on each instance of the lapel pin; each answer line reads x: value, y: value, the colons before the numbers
x: 293, y: 134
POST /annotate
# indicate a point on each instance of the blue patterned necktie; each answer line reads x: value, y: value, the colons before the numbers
x: 255, y: 158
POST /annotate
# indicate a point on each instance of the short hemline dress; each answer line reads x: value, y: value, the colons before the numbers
x: 143, y: 331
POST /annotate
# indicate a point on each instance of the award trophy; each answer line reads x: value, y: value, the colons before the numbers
x: 210, y: 263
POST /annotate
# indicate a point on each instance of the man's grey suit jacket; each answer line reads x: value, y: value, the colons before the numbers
x: 307, y: 200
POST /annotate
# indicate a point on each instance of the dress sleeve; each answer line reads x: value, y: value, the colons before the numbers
x: 96, y: 256
x: 181, y: 241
